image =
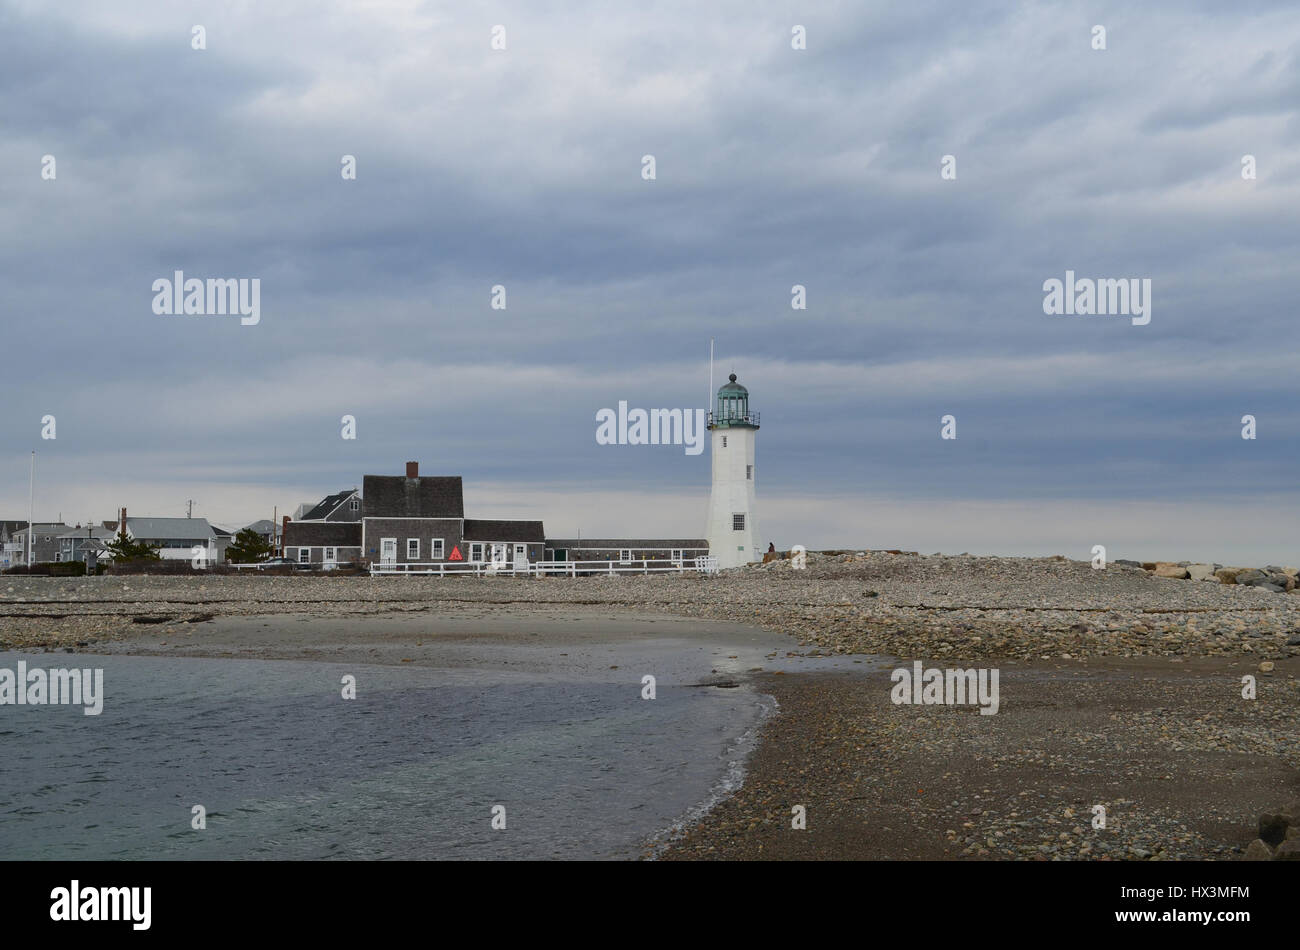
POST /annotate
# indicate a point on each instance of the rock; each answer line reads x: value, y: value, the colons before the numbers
x: 1288, y: 851
x: 1258, y: 851
x: 1271, y: 588
x: 1250, y: 577
x: 1272, y: 828
x: 1266, y: 666
x: 1294, y: 641
x: 771, y: 556
x: 1227, y: 575
x: 1128, y: 563
x: 1201, y: 572
x: 1148, y: 565
x: 1171, y: 570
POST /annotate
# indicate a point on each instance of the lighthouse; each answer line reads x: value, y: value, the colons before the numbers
x: 732, y: 528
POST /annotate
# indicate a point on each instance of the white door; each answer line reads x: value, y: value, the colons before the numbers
x: 521, y: 557
x: 387, y: 550
x: 331, y: 558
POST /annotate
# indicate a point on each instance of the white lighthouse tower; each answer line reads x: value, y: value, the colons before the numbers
x: 733, y: 508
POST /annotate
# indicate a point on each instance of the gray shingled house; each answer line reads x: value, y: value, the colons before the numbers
x: 410, y: 519
x: 416, y: 519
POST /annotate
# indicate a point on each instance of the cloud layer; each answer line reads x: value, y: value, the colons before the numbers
x: 775, y: 167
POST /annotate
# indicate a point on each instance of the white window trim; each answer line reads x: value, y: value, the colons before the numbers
x: 734, y: 516
x: 476, y: 558
x: 437, y: 550
x: 625, y: 556
x: 677, y: 555
x: 331, y: 554
x: 304, y: 555
x: 409, y: 555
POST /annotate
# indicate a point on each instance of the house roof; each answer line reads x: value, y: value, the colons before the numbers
x: 261, y: 527
x: 101, y: 533
x: 396, y: 496
x: 327, y: 506
x: 479, y: 530
x: 622, y: 543
x: 342, y: 534
x: 169, y: 529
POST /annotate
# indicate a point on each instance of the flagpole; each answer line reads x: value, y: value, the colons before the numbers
x: 709, y: 402
x: 31, y: 509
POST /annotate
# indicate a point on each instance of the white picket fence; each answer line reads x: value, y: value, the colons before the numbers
x: 703, y: 565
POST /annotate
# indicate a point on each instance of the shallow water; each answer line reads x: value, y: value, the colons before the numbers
x: 411, y: 768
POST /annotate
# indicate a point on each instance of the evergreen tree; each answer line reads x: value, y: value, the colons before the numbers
x: 249, y: 547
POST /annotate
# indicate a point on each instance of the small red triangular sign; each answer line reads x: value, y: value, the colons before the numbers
x: 455, y: 554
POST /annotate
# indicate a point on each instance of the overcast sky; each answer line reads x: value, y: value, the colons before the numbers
x: 774, y: 167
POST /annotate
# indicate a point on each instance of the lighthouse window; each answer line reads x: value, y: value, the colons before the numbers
x: 724, y: 441
x: 737, y: 522
x: 749, y: 472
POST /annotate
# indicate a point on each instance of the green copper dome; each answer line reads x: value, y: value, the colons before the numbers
x: 732, y: 387
x: 732, y: 407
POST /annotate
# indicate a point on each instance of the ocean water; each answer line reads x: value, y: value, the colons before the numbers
x: 410, y: 769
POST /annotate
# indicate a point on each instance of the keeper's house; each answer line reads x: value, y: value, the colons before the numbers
x: 411, y: 519
x: 625, y: 550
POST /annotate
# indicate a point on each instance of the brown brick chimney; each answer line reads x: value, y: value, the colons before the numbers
x: 412, y: 469
x: 121, y: 523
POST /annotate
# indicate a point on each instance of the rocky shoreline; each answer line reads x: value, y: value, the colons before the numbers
x: 879, y: 603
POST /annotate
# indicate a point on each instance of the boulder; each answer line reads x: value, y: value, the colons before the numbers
x: 1171, y: 570
x: 1148, y: 565
x: 1201, y: 572
x: 1128, y: 563
x: 1271, y: 588
x: 1227, y: 575
x: 771, y: 556
x: 1288, y: 850
x: 1258, y: 851
x: 1250, y: 577
x: 1272, y: 828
